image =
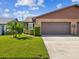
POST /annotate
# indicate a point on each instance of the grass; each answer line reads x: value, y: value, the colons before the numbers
x: 30, y: 48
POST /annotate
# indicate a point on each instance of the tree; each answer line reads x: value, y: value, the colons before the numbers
x: 12, y: 27
x: 15, y: 27
x: 19, y: 28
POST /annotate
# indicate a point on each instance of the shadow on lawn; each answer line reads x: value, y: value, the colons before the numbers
x: 23, y: 38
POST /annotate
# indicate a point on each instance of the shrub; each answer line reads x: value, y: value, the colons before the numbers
x: 8, y: 32
x: 37, y: 31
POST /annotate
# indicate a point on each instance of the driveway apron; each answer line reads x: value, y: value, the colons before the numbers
x: 62, y: 47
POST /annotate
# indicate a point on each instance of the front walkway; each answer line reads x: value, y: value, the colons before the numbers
x: 62, y: 47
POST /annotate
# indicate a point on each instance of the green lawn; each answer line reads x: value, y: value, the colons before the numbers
x: 29, y: 48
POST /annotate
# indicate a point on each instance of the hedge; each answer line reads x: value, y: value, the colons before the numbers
x: 31, y: 32
x: 37, y: 31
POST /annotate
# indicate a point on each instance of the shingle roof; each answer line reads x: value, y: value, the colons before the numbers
x: 76, y: 5
x: 28, y: 19
x: 5, y: 20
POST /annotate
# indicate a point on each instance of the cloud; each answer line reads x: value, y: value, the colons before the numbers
x: 6, y: 15
x: 40, y: 2
x: 59, y: 5
x: 33, y: 8
x: 75, y: 1
x: 21, y: 15
x: 25, y: 3
x: 6, y: 10
x: 30, y: 3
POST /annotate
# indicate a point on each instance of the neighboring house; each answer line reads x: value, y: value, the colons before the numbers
x: 29, y: 23
x: 3, y: 23
x: 64, y: 21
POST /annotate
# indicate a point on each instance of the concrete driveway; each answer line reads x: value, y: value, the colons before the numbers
x: 62, y: 47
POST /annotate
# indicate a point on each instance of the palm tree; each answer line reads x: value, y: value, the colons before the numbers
x: 19, y: 28
x: 12, y: 27
x: 15, y: 27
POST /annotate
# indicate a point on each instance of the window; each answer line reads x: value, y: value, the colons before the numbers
x: 30, y: 26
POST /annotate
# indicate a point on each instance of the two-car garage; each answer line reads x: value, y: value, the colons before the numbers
x: 55, y: 28
x: 64, y: 21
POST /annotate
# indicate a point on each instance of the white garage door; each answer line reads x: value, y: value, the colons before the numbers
x: 56, y: 28
x: 0, y: 29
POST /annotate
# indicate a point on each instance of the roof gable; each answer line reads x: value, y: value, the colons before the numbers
x: 56, y: 11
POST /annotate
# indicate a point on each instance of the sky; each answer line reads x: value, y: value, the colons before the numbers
x: 24, y: 8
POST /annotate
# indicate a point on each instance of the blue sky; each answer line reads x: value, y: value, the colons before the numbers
x: 23, y: 8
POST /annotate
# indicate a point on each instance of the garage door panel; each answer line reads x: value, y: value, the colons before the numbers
x: 55, y: 28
